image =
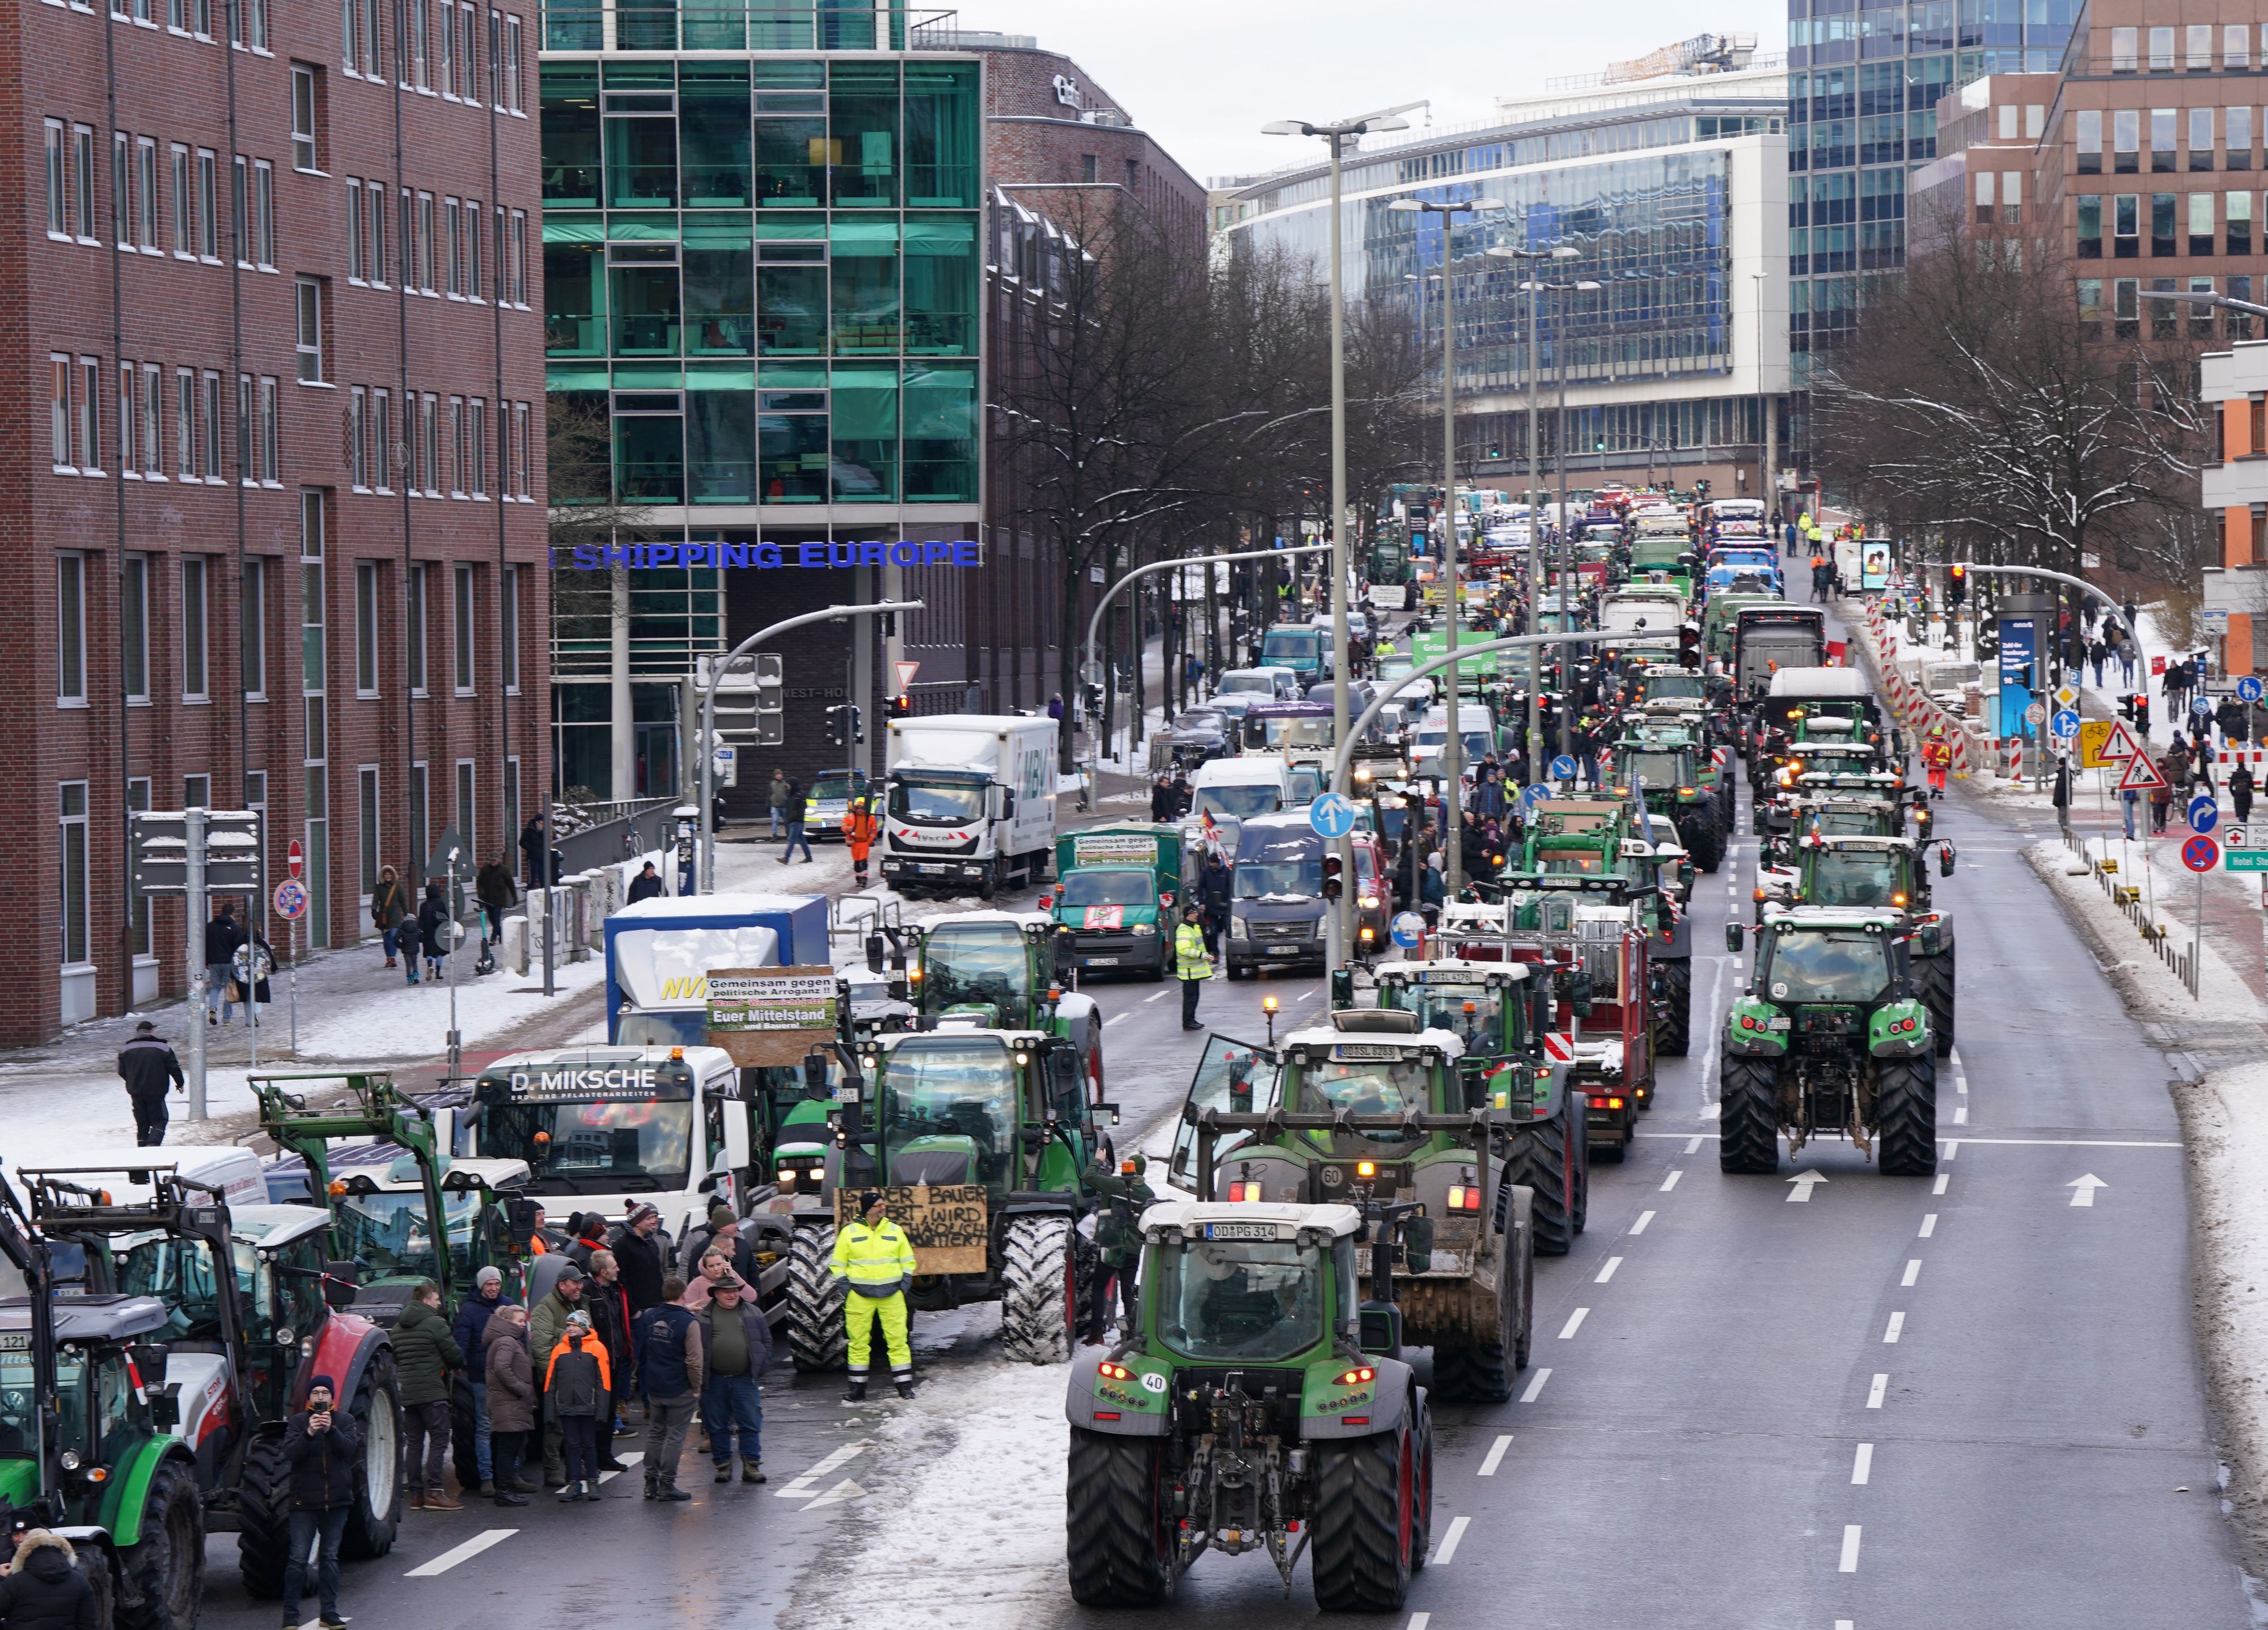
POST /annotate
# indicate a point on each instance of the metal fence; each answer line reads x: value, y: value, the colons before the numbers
x: 637, y: 827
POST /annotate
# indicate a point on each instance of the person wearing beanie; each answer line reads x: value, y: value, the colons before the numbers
x: 324, y: 1451
x: 699, y: 1240
x: 643, y: 1250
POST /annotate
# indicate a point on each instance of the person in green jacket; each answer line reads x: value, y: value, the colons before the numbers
x: 1118, y: 1238
x: 425, y: 1354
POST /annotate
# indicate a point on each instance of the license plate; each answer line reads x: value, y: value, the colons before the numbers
x: 1102, y: 962
x: 1283, y: 950
x: 1241, y: 1230
x: 929, y: 868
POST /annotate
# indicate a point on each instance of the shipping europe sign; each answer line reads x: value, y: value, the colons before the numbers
x: 836, y: 556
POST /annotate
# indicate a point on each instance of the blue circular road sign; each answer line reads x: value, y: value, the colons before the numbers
x: 2066, y: 724
x: 1409, y: 928
x: 1534, y: 795
x: 1331, y: 815
x: 2248, y: 688
x: 1563, y: 768
x: 2200, y: 705
x: 2204, y: 814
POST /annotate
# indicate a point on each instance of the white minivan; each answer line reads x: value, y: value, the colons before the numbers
x: 1230, y: 791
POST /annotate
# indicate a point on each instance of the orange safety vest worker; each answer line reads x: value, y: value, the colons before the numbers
x: 861, y: 829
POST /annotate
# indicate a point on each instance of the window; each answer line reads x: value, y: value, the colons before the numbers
x: 2201, y: 225
x: 463, y: 651
x: 415, y: 643
x: 71, y: 629
x: 416, y: 9
x: 2162, y: 140
x: 314, y: 651
x: 376, y: 193
x: 367, y: 780
x: 209, y: 433
x: 426, y: 245
x: 2237, y: 209
x: 358, y: 454
x: 208, y: 206
x: 2012, y: 197
x: 252, y: 633
x: 153, y: 421
x: 429, y: 429
x: 2235, y: 46
x: 246, y: 471
x: 192, y: 628
x: 90, y: 416
x: 83, y: 182
x: 518, y: 258
x: 468, y: 807
x: 240, y: 221
x: 381, y: 441
x: 2161, y: 223
x: 2008, y: 114
x: 185, y: 423
x: 2126, y: 304
x: 122, y: 189
x: 184, y: 212
x: 445, y: 50
x: 2090, y: 226
x: 2200, y: 138
x: 129, y: 465
x: 519, y: 435
x: 72, y: 810
x: 134, y: 629
x: 508, y: 617
x: 453, y: 251
x: 472, y: 272
x: 1987, y: 183
x: 469, y: 28
x: 354, y: 231
x: 1086, y: 162
x: 365, y: 628
x: 310, y: 343
x: 270, y: 433
x: 476, y: 445
x: 304, y: 156
x: 2087, y: 137
x: 263, y: 214
x: 511, y: 71
x: 145, y: 195
x: 2161, y: 50
x: 2035, y: 120
x: 2236, y: 124
x: 196, y: 792
x: 2126, y: 139
x: 58, y: 210
x: 460, y: 469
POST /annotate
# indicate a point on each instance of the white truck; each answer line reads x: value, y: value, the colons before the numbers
x: 971, y: 803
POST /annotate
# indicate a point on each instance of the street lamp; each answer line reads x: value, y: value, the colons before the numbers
x: 1384, y: 119
x: 1505, y: 251
x: 1452, y: 746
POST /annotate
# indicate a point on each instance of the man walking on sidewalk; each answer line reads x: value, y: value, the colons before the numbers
x: 146, y: 1063
x: 221, y: 937
x: 794, y: 813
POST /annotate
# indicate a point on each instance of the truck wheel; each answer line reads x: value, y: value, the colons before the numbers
x: 1937, y: 995
x: 263, y: 1539
x: 1905, y: 1116
x: 1421, y: 1433
x: 377, y: 1514
x: 1545, y: 1167
x: 1118, y: 1525
x: 165, y: 1572
x: 1365, y: 1518
x: 989, y: 884
x: 1748, y: 1121
x: 1674, y: 1038
x: 816, y: 1338
x: 1708, y: 844
x: 1481, y: 1372
x: 1038, y: 1300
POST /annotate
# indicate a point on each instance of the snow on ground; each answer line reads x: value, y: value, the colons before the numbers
x: 2143, y: 978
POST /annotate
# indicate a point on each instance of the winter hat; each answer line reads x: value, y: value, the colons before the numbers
x: 640, y: 1212
x: 720, y: 1216
x: 145, y: 1028
x: 325, y: 1382
x: 489, y: 1276
x: 578, y: 1321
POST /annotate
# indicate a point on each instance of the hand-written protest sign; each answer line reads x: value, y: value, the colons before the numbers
x: 771, y: 1015
x: 946, y: 1222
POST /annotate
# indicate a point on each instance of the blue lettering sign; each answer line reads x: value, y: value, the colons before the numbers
x: 773, y: 556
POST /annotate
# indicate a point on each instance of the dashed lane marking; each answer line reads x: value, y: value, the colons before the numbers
x: 1496, y: 1455
x: 1607, y: 1271
x: 1961, y: 1115
x: 1928, y: 1226
x: 1943, y: 1177
x: 1113, y: 1019
x: 1913, y: 1272
x: 1693, y: 1145
x: 804, y: 1487
x: 1874, y: 1392
x: 1161, y: 997
x: 1670, y: 1181
x: 1711, y: 1111
x: 1574, y: 1324
x: 1895, y: 1328
x: 1449, y: 1540
x: 1850, y: 1562
x: 464, y: 1553
x: 1418, y: 1621
x: 845, y: 1490
x: 1535, y: 1386
x: 1638, y: 1227
x: 1862, y: 1465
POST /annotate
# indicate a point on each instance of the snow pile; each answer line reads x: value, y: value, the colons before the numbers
x: 2148, y: 984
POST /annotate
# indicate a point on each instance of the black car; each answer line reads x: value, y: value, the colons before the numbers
x: 1198, y: 735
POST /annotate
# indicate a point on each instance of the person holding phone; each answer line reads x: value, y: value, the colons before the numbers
x: 324, y: 1451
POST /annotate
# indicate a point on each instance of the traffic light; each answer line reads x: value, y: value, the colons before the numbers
x: 2142, y: 712
x: 902, y: 706
x: 1957, y: 590
x: 843, y: 727
x: 1701, y: 487
x: 1689, y: 645
x: 2126, y: 709
x: 1334, y: 876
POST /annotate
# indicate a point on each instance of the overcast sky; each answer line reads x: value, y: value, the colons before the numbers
x: 1202, y: 76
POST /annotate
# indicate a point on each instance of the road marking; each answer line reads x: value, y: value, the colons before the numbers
x: 464, y: 1553
x: 845, y: 1490
x: 1638, y: 1227
x: 1805, y: 1182
x: 1449, y: 1540
x: 1961, y: 1115
x: 1895, y: 1329
x: 1670, y: 1181
x: 1496, y: 1455
x: 1535, y: 1386
x: 1303, y: 995
x: 1693, y: 1146
x: 805, y: 1485
x: 2074, y: 1143
x: 1840, y: 1624
x: 1712, y: 1111
x: 1913, y: 1271
x: 627, y: 1460
x: 1607, y: 1271
x: 2083, y: 1189
x: 1874, y: 1392
x: 1953, y: 1146
x: 1161, y: 997
x: 1850, y: 1562
x: 1574, y: 1323
x: 1928, y: 1226
x: 1418, y: 1621
x: 1113, y: 1019
x: 1943, y: 1177
x: 1862, y: 1465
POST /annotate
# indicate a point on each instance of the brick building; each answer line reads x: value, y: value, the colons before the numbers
x: 274, y: 279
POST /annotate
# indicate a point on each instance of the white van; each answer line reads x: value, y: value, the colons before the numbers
x: 1268, y: 684
x: 1232, y: 791
x: 125, y: 1170
x: 1475, y: 728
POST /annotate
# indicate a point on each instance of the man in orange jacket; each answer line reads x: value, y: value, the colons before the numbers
x: 859, y: 830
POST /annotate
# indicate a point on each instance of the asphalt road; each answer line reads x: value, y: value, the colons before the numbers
x: 1959, y: 1400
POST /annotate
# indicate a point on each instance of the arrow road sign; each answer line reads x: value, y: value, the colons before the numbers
x: 2142, y: 776
x: 2066, y: 724
x: 1563, y: 768
x: 1805, y: 1182
x: 2201, y: 854
x: 2119, y: 745
x: 2248, y: 688
x: 1409, y: 928
x: 2204, y: 814
x: 1331, y: 815
x: 2083, y: 1189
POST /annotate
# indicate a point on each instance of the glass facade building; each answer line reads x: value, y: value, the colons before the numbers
x: 1863, y: 87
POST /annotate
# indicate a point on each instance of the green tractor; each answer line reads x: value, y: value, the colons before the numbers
x: 997, y: 969
x: 1500, y: 1011
x: 1318, y: 1139
x: 979, y: 1137
x: 1872, y: 872
x: 1831, y: 1038
x: 1674, y: 773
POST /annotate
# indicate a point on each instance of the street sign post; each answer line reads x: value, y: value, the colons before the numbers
x: 195, y: 853
x: 2202, y: 706
x: 2204, y: 814
x: 290, y: 899
x: 295, y: 860
x: 1562, y: 767
x: 2118, y: 742
x: 2142, y: 776
x: 2066, y: 696
x: 2248, y: 688
x: 1408, y: 929
x: 2036, y: 713
x: 2201, y: 854
x: 2244, y: 847
x: 1332, y: 815
x: 2066, y: 724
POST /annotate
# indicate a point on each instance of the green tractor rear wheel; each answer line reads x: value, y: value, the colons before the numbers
x: 1905, y: 1116
x: 1118, y: 1521
x: 263, y: 1539
x: 1934, y: 975
x: 816, y: 1339
x: 1748, y: 1120
x: 1674, y: 1038
x: 1544, y: 1166
x: 1038, y: 1300
x: 165, y: 1572
x: 1366, y: 1522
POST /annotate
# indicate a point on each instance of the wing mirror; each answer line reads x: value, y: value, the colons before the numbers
x: 873, y: 953
x: 1945, y: 858
x: 1933, y: 939
x: 1733, y: 931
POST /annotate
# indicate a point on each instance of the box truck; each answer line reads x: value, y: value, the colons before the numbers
x: 971, y: 804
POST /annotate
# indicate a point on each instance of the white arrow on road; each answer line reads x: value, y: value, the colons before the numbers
x: 2086, y: 1187
x: 1805, y: 1182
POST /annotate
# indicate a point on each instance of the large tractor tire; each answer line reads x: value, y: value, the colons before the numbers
x: 1421, y: 1431
x: 377, y: 1411
x: 1366, y: 1522
x: 817, y: 1340
x: 1118, y: 1521
x: 1039, y: 1290
x: 1937, y: 993
x: 1481, y: 1372
x: 1547, y: 1165
x: 1748, y: 1117
x: 1674, y: 1038
x: 1905, y: 1116
x: 165, y: 1572
x: 263, y: 1541
x: 1706, y: 844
